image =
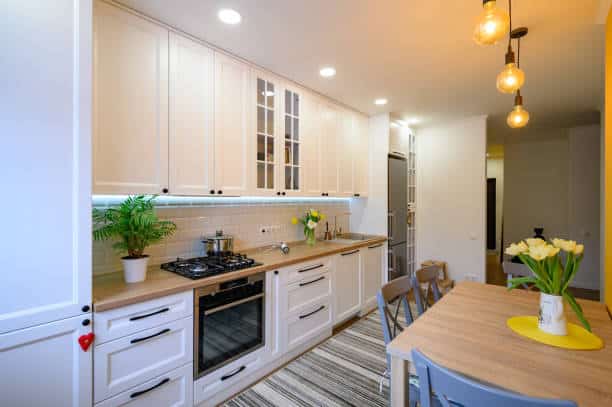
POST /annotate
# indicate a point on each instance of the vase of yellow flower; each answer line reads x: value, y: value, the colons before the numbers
x: 310, y: 221
x: 552, y: 278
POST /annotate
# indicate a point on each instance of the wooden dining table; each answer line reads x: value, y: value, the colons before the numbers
x: 466, y: 332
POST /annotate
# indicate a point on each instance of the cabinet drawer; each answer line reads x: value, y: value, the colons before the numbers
x: 308, y: 323
x: 132, y: 360
x: 207, y: 386
x: 308, y: 290
x: 113, y: 324
x: 305, y: 270
x: 174, y: 389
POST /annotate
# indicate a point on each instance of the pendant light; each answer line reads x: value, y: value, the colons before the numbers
x: 512, y: 78
x: 518, y: 117
x: 492, y: 25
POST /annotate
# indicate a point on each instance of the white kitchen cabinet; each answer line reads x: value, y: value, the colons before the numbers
x: 346, y: 146
x: 347, y: 285
x: 172, y: 389
x: 191, y: 120
x: 361, y: 165
x: 372, y: 272
x: 311, y: 145
x: 330, y: 132
x: 291, y: 174
x: 130, y: 108
x: 231, y: 125
x: 45, y: 366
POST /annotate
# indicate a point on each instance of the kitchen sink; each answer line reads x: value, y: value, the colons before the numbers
x: 352, y: 237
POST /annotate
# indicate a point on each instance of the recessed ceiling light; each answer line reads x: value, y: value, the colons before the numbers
x: 327, y: 72
x: 380, y: 102
x: 229, y: 16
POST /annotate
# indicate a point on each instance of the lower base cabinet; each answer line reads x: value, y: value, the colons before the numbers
x: 173, y: 389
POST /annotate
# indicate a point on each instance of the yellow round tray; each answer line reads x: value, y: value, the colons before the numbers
x: 577, y: 337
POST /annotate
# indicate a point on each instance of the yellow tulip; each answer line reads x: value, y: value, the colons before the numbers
x: 314, y: 213
x: 534, y: 242
x: 579, y: 249
x: 516, y: 249
x: 565, y: 245
x: 294, y: 220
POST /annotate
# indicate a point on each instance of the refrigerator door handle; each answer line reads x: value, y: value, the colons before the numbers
x: 391, y: 221
x: 391, y: 262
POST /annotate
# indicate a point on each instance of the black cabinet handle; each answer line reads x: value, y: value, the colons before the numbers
x: 375, y: 246
x: 163, y: 331
x: 310, y: 268
x: 321, y: 308
x: 312, y: 282
x: 161, y: 311
x: 219, y: 192
x: 141, y: 392
x: 85, y: 308
x: 229, y: 376
x: 276, y: 272
x: 86, y: 322
x: 284, y: 193
x: 349, y: 253
x: 278, y: 193
x: 165, y: 190
x: 322, y: 193
x: 212, y: 191
x: 357, y: 195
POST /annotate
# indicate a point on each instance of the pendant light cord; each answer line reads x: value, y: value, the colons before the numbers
x: 518, y: 59
x: 510, y: 33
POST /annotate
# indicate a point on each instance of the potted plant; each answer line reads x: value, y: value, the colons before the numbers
x: 310, y: 221
x: 136, y: 227
x: 552, y: 276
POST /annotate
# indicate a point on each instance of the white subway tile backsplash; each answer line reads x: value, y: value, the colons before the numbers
x: 244, y: 221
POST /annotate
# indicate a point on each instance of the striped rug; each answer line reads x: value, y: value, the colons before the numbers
x: 342, y: 371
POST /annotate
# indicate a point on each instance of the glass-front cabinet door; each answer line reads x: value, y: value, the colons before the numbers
x: 291, y: 164
x: 266, y: 102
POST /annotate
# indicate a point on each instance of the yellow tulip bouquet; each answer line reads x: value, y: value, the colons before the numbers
x: 310, y: 221
x: 550, y: 275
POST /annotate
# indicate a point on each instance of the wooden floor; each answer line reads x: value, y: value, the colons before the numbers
x: 496, y: 276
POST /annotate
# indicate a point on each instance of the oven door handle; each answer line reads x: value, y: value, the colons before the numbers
x: 233, y: 304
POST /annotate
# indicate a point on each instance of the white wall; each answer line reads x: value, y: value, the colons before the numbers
x: 495, y: 169
x: 370, y: 215
x: 451, y: 196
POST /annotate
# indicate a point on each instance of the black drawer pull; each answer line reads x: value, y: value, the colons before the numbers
x: 312, y: 282
x: 349, y: 253
x: 141, y: 392
x: 374, y: 247
x: 310, y: 268
x: 321, y: 308
x: 163, y: 331
x: 161, y: 311
x: 229, y: 376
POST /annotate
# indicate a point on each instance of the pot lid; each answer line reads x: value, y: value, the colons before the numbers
x: 219, y: 236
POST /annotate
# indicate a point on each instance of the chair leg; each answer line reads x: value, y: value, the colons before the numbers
x: 380, y: 382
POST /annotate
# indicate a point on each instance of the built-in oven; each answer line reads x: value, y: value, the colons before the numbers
x: 229, y: 322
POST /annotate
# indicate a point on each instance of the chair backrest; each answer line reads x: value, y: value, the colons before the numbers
x: 396, y: 290
x: 453, y: 389
x: 427, y: 275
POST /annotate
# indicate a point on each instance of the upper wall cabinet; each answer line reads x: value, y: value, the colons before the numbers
x: 130, y: 110
x: 330, y: 134
x: 311, y: 145
x: 347, y: 146
x: 231, y: 125
x: 291, y: 171
x: 191, y: 131
x: 361, y: 169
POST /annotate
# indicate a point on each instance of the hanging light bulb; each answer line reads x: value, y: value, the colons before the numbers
x: 518, y: 117
x: 511, y: 78
x: 492, y: 25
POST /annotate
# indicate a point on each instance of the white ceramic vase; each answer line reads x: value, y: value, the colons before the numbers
x: 135, y: 270
x: 552, y: 315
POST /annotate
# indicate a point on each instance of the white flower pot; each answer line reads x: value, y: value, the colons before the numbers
x: 552, y: 316
x: 135, y: 270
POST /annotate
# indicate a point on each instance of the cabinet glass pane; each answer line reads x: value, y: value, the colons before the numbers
x: 296, y: 178
x: 270, y: 150
x: 288, y: 127
x: 261, y: 154
x: 261, y: 90
x: 288, y: 177
x: 270, y: 95
x: 271, y: 122
x: 270, y: 176
x: 261, y: 175
x: 296, y: 104
x: 261, y: 119
x: 296, y: 129
x: 287, y: 152
x: 287, y: 102
x: 296, y: 154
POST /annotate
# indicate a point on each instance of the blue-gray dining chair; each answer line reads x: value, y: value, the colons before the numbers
x: 395, y: 295
x: 427, y: 275
x: 454, y: 389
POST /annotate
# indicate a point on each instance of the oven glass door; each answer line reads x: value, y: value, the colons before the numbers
x: 229, y: 329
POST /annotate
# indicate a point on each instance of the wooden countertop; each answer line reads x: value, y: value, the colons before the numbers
x: 110, y: 291
x: 466, y: 332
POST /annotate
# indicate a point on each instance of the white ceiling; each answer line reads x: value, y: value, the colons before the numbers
x: 417, y: 53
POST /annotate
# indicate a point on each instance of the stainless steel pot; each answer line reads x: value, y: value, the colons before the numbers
x: 219, y: 244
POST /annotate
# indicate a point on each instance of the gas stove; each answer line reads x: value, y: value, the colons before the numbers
x: 208, y: 266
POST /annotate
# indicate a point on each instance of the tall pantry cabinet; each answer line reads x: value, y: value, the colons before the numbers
x: 45, y: 295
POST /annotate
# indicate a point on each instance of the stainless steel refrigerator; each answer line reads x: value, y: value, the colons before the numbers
x: 397, y: 216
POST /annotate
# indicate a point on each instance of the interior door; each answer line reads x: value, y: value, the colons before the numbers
x: 398, y: 200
